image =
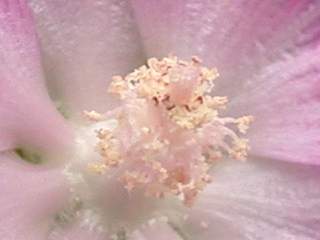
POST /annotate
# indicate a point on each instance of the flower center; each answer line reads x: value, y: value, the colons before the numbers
x: 168, y: 131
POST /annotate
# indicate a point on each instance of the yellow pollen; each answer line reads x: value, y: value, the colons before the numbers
x: 169, y: 132
x: 93, y: 116
x: 243, y: 123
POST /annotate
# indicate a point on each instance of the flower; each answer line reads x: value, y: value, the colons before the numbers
x: 267, y: 57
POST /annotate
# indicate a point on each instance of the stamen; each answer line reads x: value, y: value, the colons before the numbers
x: 169, y: 132
x: 93, y: 116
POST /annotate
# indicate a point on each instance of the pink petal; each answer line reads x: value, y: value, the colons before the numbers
x: 284, y: 98
x: 158, y: 231
x: 27, y: 116
x: 85, y: 43
x: 237, y: 37
x: 30, y: 196
x: 258, y: 199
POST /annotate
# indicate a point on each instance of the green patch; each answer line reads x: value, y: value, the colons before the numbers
x: 63, y: 110
x: 29, y: 156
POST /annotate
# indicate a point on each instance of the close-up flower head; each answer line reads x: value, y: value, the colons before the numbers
x: 159, y: 120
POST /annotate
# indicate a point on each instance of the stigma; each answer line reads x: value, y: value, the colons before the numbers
x: 169, y: 130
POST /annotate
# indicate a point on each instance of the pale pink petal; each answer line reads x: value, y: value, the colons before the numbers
x: 258, y: 199
x: 78, y: 231
x: 238, y: 36
x: 284, y: 99
x: 31, y: 195
x: 85, y: 43
x: 158, y: 231
x: 27, y: 116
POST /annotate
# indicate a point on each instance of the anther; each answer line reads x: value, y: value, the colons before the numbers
x: 169, y: 131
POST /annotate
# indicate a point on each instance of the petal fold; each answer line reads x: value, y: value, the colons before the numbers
x: 27, y: 115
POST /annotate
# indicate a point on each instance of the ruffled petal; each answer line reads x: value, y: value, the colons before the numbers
x: 237, y: 37
x: 158, y: 231
x: 284, y: 99
x: 30, y: 197
x: 85, y: 43
x: 258, y: 199
x: 27, y: 116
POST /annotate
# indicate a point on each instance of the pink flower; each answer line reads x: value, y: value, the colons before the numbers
x: 267, y: 54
